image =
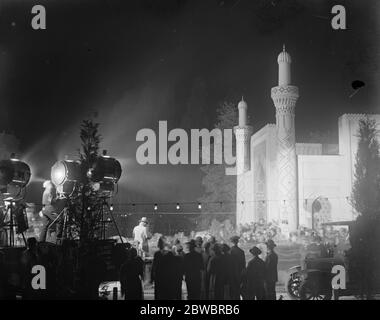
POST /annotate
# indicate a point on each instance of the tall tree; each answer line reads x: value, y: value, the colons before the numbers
x: 89, y: 204
x: 364, y: 234
x: 219, y: 189
x: 366, y: 188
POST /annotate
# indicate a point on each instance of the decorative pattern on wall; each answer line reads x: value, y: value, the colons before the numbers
x: 260, y: 181
x: 284, y: 98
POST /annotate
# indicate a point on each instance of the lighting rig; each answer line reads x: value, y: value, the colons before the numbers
x: 76, y: 180
x: 14, y: 177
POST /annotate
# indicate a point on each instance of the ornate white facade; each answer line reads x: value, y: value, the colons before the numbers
x: 279, y: 179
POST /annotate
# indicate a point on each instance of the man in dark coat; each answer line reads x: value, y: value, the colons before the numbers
x: 206, y: 256
x: 271, y: 276
x: 131, y: 275
x: 230, y: 269
x: 158, y: 270
x: 239, y: 258
x: 216, y: 272
x: 255, y: 275
x: 167, y: 273
x: 193, y: 267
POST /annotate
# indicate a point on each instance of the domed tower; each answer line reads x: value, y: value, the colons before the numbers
x: 243, y: 134
x: 285, y: 97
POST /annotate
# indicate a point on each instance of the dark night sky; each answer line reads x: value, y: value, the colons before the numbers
x: 137, y: 62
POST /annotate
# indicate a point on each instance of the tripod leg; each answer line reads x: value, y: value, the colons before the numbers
x: 11, y: 228
x: 23, y: 237
x: 114, y: 222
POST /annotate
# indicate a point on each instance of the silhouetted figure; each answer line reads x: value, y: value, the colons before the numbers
x: 198, y: 244
x: 6, y: 290
x: 231, y: 273
x: 177, y: 248
x: 255, y: 276
x: 271, y: 276
x: 206, y: 255
x: 216, y: 273
x: 166, y: 273
x: 193, y: 267
x: 157, y: 271
x: 131, y: 275
x: 177, y: 271
x: 239, y: 258
x: 120, y: 254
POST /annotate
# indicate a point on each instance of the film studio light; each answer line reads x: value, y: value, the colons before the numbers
x: 105, y: 172
x: 14, y: 176
x: 65, y: 174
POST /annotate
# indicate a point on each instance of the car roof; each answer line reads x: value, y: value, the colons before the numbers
x: 339, y: 223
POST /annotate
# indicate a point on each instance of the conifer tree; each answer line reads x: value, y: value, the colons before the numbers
x: 366, y: 188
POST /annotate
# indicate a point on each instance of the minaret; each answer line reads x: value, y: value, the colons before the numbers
x: 243, y: 134
x: 285, y: 97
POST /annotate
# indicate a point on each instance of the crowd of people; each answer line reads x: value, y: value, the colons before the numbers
x: 211, y: 271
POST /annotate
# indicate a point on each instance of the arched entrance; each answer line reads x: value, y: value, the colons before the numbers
x: 320, y: 212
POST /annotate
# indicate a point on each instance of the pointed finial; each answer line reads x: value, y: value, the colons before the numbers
x: 242, y: 98
x: 283, y: 47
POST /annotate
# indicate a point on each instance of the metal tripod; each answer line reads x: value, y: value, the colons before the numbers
x: 13, y: 222
x: 103, y: 222
x: 63, y: 223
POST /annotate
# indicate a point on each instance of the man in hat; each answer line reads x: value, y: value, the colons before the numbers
x: 255, y: 274
x: 193, y: 267
x: 216, y: 272
x: 48, y: 210
x: 271, y: 276
x: 238, y: 256
x: 141, y: 235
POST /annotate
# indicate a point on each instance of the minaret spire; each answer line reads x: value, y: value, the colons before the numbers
x: 243, y: 134
x: 284, y: 73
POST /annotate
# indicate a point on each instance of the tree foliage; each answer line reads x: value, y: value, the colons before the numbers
x: 90, y: 140
x: 364, y: 234
x: 88, y: 205
x: 366, y: 188
x: 219, y: 188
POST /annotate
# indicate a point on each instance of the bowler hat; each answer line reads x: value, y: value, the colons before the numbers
x: 270, y: 243
x: 191, y: 243
x: 235, y: 239
x: 255, y: 251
